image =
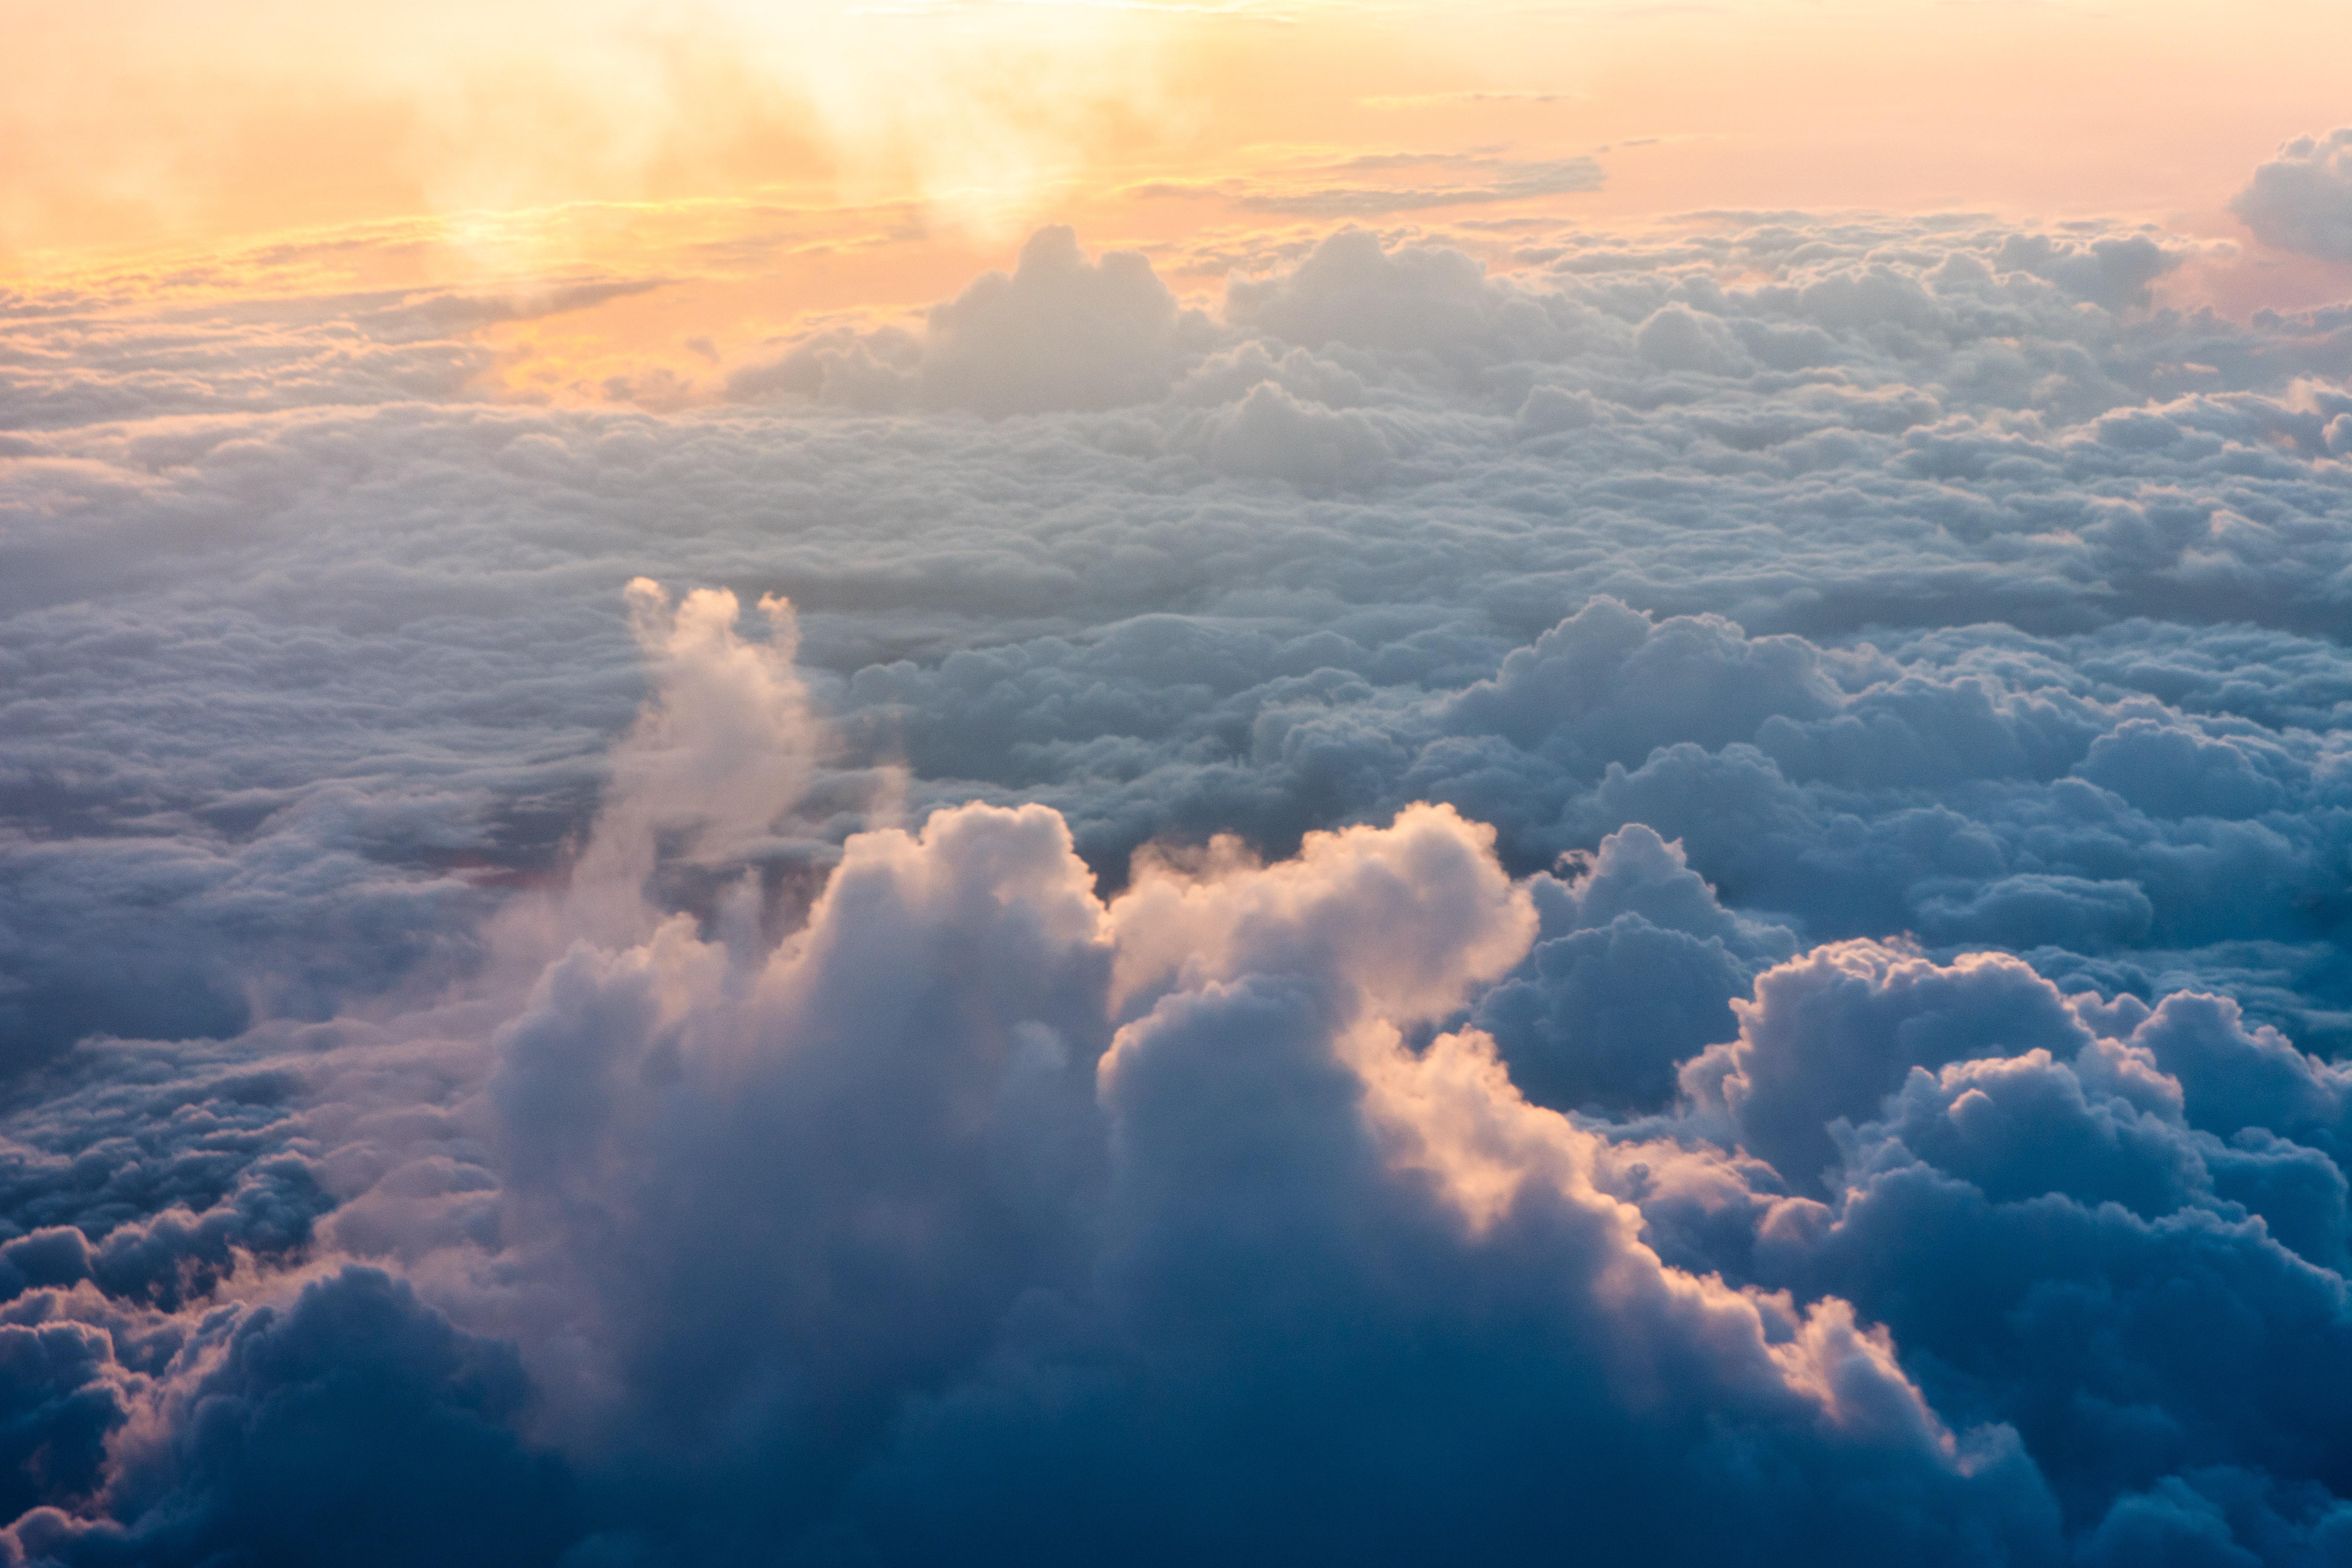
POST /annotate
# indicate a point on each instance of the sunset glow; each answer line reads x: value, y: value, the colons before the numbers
x: 749, y: 167
x: 1175, y: 782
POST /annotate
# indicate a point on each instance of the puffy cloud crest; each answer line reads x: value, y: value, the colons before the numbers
x: 722, y: 752
x: 1060, y: 331
x: 2301, y: 199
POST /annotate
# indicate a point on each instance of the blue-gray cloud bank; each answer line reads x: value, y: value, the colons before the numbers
x: 1681, y: 903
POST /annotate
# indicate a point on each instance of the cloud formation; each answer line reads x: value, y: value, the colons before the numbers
x: 2301, y: 199
x: 1710, y: 863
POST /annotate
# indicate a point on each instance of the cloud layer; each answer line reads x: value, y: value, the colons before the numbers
x: 1449, y: 904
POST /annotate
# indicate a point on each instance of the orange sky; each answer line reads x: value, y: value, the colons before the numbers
x: 776, y: 159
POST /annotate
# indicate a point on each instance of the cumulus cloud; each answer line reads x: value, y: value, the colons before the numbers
x: 2301, y: 199
x: 1058, y: 332
x: 1638, y: 970
x: 1270, y: 432
x: 1466, y: 894
x: 719, y: 756
x: 747, y: 1218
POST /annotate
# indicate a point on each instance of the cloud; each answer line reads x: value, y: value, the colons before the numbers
x: 2179, y: 772
x: 712, y: 763
x: 1248, y: 1157
x: 1506, y: 181
x: 1351, y: 291
x: 1465, y: 893
x: 1365, y: 187
x: 324, y: 1424
x: 1832, y: 1033
x: 1272, y: 433
x: 1637, y: 972
x: 2021, y: 1183
x: 2301, y: 199
x: 1058, y: 332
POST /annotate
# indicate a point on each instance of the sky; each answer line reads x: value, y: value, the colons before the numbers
x: 817, y: 784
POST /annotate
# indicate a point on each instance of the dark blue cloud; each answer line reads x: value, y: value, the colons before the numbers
x: 353, y: 1424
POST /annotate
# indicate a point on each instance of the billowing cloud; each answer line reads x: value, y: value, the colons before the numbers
x: 1458, y: 902
x: 2301, y: 199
